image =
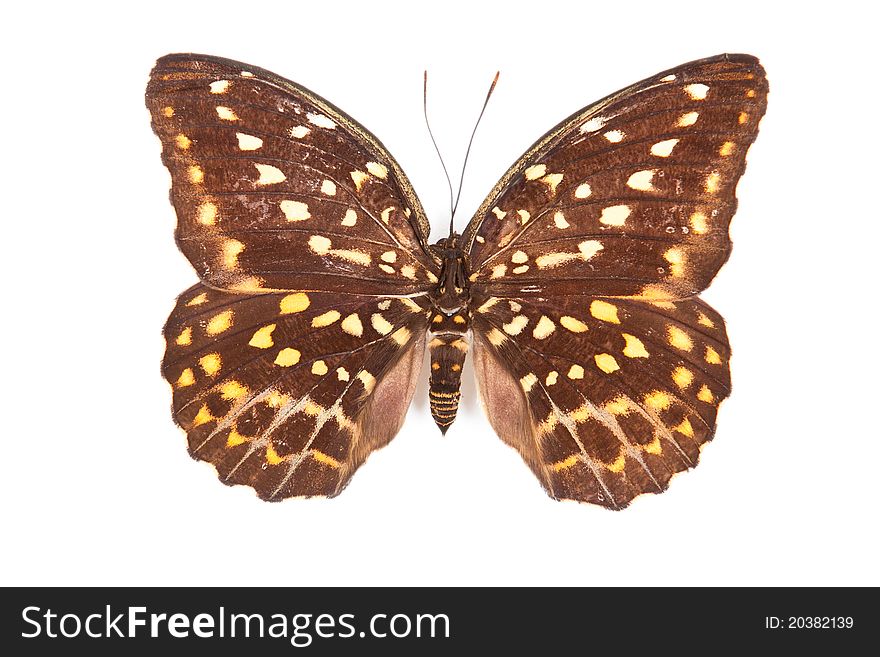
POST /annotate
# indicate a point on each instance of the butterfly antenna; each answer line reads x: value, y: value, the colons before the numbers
x: 437, y: 148
x: 471, y: 143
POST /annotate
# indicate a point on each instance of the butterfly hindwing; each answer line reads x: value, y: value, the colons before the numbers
x: 273, y: 185
x: 604, y: 398
x: 631, y: 196
x: 282, y: 392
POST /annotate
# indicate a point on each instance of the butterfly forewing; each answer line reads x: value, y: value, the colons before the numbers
x: 275, y: 390
x: 275, y: 187
x: 631, y: 196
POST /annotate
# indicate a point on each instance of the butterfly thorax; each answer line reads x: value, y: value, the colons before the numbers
x: 449, y: 327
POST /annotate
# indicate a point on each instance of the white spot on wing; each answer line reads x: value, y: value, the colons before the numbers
x: 321, y: 121
x: 594, y: 124
x: 248, y: 142
x: 269, y: 175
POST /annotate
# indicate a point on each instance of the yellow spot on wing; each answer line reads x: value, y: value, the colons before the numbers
x: 272, y: 457
x: 618, y: 465
x: 604, y: 311
x: 234, y: 439
x: 551, y: 378
x: 232, y: 390
x: 219, y: 86
x: 703, y: 320
x: 326, y: 319
x: 196, y: 175
x: 654, y: 447
x: 705, y: 395
x: 713, y: 181
x: 321, y: 457
x: 544, y: 328
x: 698, y: 223
x: 262, y: 338
x: 496, y: 337
x: 727, y: 148
x: 211, y: 363
x: 685, y: 428
x: 367, y: 379
x: 519, y: 257
x: 186, y: 378
x: 287, y: 357
x: 634, y: 348
x: 576, y: 372
x: 583, y: 191
x: 382, y: 325
x: 679, y: 339
x: 197, y: 300
x: 618, y: 406
x: 528, y: 381
x: 183, y: 142
x: 231, y: 251
x: 565, y: 463
x: 572, y: 324
x: 276, y: 399
x: 352, y: 325
x: 402, y: 335
x: 712, y: 356
x: 342, y: 374
x: 202, y: 417
x: 294, y: 303
x: 559, y: 220
x: 207, y: 214
x: 319, y: 368
x: 168, y: 112
x: 683, y: 377
x: 185, y: 337
x: 516, y: 325
x: 658, y: 400
x: 607, y: 363
x: 219, y: 323
x: 675, y: 258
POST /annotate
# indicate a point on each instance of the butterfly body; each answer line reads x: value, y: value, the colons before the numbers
x: 574, y: 288
x: 448, y: 334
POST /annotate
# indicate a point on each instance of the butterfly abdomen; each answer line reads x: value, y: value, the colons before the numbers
x: 448, y: 348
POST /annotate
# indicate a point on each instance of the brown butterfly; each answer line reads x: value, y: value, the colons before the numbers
x: 297, y: 353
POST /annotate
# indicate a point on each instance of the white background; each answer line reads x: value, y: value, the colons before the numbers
x: 96, y: 486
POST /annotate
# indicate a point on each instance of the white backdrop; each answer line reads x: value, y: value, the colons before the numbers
x: 97, y: 487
